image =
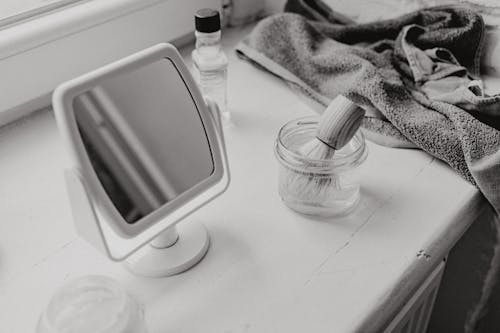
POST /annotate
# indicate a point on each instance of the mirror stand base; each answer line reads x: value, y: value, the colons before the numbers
x: 189, y: 249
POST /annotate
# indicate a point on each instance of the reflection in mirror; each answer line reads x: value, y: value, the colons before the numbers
x: 129, y: 126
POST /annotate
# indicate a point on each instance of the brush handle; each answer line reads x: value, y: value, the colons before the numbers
x: 339, y: 122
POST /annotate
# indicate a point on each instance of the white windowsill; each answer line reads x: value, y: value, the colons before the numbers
x: 38, y: 54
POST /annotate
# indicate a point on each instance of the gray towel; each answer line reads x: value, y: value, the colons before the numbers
x: 396, y: 70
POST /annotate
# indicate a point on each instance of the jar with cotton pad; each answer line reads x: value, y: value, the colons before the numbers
x: 96, y: 304
x: 317, y: 160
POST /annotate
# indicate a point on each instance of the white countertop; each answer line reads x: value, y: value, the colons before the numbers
x: 267, y: 269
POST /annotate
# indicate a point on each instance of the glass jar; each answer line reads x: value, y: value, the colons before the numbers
x: 92, y: 304
x: 318, y: 187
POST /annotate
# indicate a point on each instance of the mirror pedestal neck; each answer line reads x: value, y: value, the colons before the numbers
x: 166, y: 239
x: 189, y: 241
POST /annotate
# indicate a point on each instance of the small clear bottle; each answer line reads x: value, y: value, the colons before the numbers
x: 209, y: 60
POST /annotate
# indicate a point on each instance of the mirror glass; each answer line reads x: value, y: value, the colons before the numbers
x: 144, y: 137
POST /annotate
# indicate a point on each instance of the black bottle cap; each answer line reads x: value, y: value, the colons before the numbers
x: 207, y: 20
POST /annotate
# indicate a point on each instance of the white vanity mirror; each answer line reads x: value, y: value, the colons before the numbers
x: 146, y: 151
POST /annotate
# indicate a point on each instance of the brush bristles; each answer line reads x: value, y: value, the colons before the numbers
x: 311, y: 188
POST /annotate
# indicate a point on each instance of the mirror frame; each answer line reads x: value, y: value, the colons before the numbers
x: 119, y: 238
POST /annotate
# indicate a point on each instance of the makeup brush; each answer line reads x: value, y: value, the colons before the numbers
x: 336, y: 127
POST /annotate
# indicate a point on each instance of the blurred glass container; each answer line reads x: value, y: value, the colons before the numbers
x: 94, y: 304
x: 323, y: 188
